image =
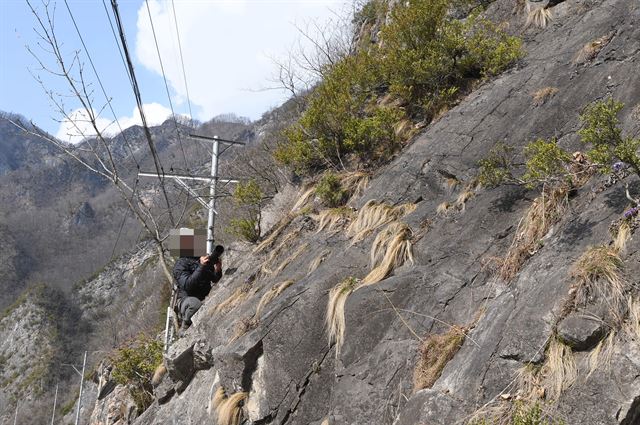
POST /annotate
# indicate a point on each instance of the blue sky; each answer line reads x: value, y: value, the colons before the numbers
x: 228, y: 46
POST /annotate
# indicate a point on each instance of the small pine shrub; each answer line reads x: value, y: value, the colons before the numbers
x: 249, y: 197
x: 244, y: 228
x: 134, y: 366
x: 330, y: 191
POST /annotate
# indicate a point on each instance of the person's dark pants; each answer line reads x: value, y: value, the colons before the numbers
x: 188, y: 307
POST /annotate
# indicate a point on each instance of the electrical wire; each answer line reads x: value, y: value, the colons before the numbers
x: 166, y: 86
x: 86, y: 50
x: 138, y: 96
x: 184, y: 74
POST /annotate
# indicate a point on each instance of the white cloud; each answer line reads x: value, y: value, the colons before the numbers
x: 226, y: 47
x: 78, y: 127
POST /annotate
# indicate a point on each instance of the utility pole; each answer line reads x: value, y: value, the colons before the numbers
x: 210, y: 205
x: 55, y: 401
x: 84, y: 364
x: 213, y: 180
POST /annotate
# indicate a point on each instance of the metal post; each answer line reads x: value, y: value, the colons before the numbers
x: 212, y: 194
x: 55, y: 401
x: 166, y: 329
x: 84, y: 364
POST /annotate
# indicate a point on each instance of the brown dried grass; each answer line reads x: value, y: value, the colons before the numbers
x: 331, y: 219
x: 295, y: 254
x: 622, y: 236
x: 243, y: 326
x: 435, y: 352
x: 274, y: 235
x: 373, y: 215
x: 541, y: 96
x: 590, y: 50
x: 391, y: 249
x: 271, y: 294
x: 158, y: 374
x: 234, y: 299
x: 443, y: 208
x: 334, y: 319
x: 544, y: 212
x: 354, y: 183
x: 229, y: 411
x: 602, y: 354
x: 559, y: 370
x: 537, y: 16
x: 317, y: 261
x: 597, y: 274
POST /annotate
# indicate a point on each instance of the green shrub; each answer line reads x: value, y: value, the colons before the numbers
x: 601, y: 130
x: 523, y: 414
x: 330, y: 191
x: 133, y: 367
x: 249, y: 198
x: 544, y: 161
x: 426, y: 57
x: 244, y: 228
x: 429, y: 54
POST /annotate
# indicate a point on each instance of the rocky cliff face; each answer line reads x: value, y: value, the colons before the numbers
x: 259, y: 345
x: 26, y: 348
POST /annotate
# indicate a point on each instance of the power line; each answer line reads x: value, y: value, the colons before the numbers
x: 166, y: 86
x: 184, y: 74
x: 115, y: 37
x: 138, y: 96
x: 100, y: 83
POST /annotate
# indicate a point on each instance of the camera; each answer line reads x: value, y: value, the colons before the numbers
x: 215, y: 255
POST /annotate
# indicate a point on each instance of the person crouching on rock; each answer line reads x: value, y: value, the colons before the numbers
x: 195, y: 276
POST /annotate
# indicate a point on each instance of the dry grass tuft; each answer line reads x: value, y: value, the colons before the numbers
x: 541, y: 96
x: 243, y: 326
x: 295, y: 254
x: 602, y: 354
x: 274, y: 235
x: 559, y: 370
x: 537, y: 16
x: 403, y: 129
x: 275, y: 252
x: 317, y: 261
x: 391, y: 249
x: 271, y: 294
x: 623, y: 235
x: 229, y: 411
x: 443, y: 208
x: 354, y: 183
x: 373, y: 215
x: 234, y: 299
x: 598, y: 263
x: 335, y: 320
x: 463, y: 197
x: 218, y: 397
x: 435, y: 352
x: 325, y: 421
x: 544, y: 212
x: 590, y: 50
x: 302, y: 201
x: 530, y: 389
x: 329, y: 219
x: 633, y: 320
x: 158, y: 374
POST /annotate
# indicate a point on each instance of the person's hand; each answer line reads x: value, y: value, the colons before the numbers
x: 218, y: 266
x: 204, y: 260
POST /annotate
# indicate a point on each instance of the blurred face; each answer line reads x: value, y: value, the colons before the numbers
x: 188, y: 242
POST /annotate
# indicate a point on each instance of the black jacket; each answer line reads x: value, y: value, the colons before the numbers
x: 194, y: 279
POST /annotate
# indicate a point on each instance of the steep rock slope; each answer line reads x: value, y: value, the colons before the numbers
x: 281, y: 357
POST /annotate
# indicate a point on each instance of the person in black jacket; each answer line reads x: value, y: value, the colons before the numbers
x: 195, y: 277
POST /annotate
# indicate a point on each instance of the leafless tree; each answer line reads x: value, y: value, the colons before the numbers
x: 95, y: 153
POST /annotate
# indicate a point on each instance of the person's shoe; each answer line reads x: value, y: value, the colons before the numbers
x: 183, y: 329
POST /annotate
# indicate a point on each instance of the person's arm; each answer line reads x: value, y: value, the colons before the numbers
x: 190, y: 281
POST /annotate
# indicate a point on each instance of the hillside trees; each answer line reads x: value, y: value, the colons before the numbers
x: 425, y: 60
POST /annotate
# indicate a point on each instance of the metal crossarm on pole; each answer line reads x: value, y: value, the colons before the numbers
x: 215, y: 139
